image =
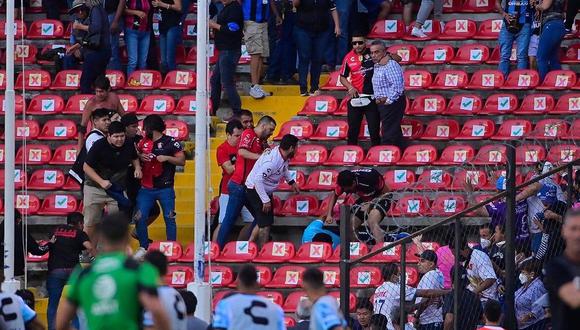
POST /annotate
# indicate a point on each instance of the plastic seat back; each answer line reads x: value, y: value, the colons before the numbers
x: 559, y: 79
x: 189, y: 29
x: 300, y: 205
x: 490, y: 155
x: 36, y: 80
x: 321, y: 180
x: 58, y: 204
x: 297, y: 176
x: 456, y: 154
x: 177, y: 129
x: 27, y: 204
x: 219, y: 276
x: 144, y: 79
x: 45, y: 104
x: 45, y: 29
x: 160, y: 104
x: 489, y: 29
x: 187, y: 106
x: 333, y: 83
x: 431, y: 28
x: 64, y: 155
x: 434, y: 179
x: 67, y: 80
x: 330, y: 276
x: 179, y: 80
x: 390, y: 255
x: 500, y: 104
x: 409, y: 53
x: 58, y: 129
x: 171, y: 249
x: 471, y: 54
x: 477, y: 129
x: 417, y: 79
x: 411, y: 206
x: 76, y: 104
x: 574, y: 132
x: 309, y: 155
x: 421, y: 154
x: 365, y: 277
x: 411, y: 128
x: 25, y: 129
x: 238, y: 252
x: 292, y: 301
x: 571, y: 55
x: 382, y: 155
x: 345, y: 155
x: 464, y: 105
x: 330, y: 130
x: 321, y: 105
x: 300, y: 128
x: 314, y: 252
x: 567, y: 104
x: 116, y: 78
x: 33, y: 154
x: 450, y: 79
x: 18, y: 103
x: 563, y: 153
x: 436, y: 54
x: 513, y: 129
x: 357, y: 249
x: 19, y: 32
x: 178, y: 276
x: 486, y: 79
x: 478, y: 6
x: 52, y: 179
x: 549, y: 129
x: 276, y: 252
x: 399, y: 179
x: 477, y: 178
x: 530, y: 154
x: 427, y: 105
x: 287, y: 277
x: 458, y: 29
x: 24, y: 53
x: 387, y: 29
x: 441, y: 129
x: 522, y: 79
x: 447, y: 205
x: 536, y: 104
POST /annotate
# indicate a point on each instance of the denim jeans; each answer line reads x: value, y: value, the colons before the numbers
x: 282, y: 63
x: 145, y: 200
x: 223, y: 76
x: 168, y: 44
x: 94, y: 65
x: 137, y: 43
x: 310, y: 51
x: 425, y: 10
x: 55, y: 282
x: 115, y: 62
x: 536, y: 241
x: 548, y: 47
x: 506, y: 40
x: 235, y: 204
x: 431, y: 326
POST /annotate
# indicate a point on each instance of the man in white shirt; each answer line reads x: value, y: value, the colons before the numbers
x: 264, y: 178
x: 429, y: 310
x: 325, y: 314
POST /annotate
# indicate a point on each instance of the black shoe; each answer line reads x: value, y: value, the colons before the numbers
x: 304, y: 92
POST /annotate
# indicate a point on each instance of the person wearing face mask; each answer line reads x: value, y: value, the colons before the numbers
x: 485, y: 237
x: 429, y: 311
x: 530, y: 316
x: 549, y: 221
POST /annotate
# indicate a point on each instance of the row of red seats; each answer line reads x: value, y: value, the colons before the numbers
x: 480, y: 80
x: 52, y: 205
x: 44, y: 179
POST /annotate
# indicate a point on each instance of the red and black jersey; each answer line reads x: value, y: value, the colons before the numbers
x: 369, y: 184
x: 360, y: 68
x: 251, y: 142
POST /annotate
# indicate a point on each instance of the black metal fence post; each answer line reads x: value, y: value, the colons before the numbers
x: 510, y: 234
x: 456, y: 286
x: 403, y: 283
x: 570, y: 186
x: 345, y: 259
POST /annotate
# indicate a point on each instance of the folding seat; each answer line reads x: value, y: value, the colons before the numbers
x: 456, y: 155
x: 2, y: 80
x: 530, y: 154
x: 71, y: 184
x: 494, y: 175
x: 330, y: 276
x: 563, y: 153
x: 387, y: 29
x: 277, y: 206
x: 408, y: 53
x: 116, y: 78
x: 321, y: 180
x: 18, y: 103
x: 494, y: 58
x: 23, y: 53
x: 314, y: 252
x: 128, y: 102
x: 486, y: 79
x: 264, y: 277
x: 567, y: 104
x: 210, y: 250
x: 489, y: 29
x: 365, y: 277
x: 25, y: 129
x: 52, y: 179
x: 458, y: 29
x: 274, y: 296
x: 477, y: 129
x: 330, y: 130
x: 558, y: 79
x: 452, y: 6
x: 64, y: 155
x: 179, y: 80
x: 434, y: 179
x: 187, y: 106
x: 288, y: 277
x: 572, y: 55
x: 45, y: 29
x: 342, y: 108
x: 321, y: 105
x: 441, y: 130
x: 411, y: 276
x: 357, y: 249
x: 420, y: 154
x: 275, y: 252
x: 447, y: 205
x: 32, y: 258
x: 478, y: 6
x: 574, y: 131
x: 345, y: 155
x: 300, y: 205
x: 67, y: 80
x: 399, y: 179
x: 412, y: 129
x: 238, y: 252
x: 191, y: 57
x: 432, y: 29
x: 76, y: 104
x: 471, y: 54
x: 333, y: 83
x: 144, y: 80
x: 477, y: 178
x: 35, y: 7
x: 1, y: 154
x: 464, y: 105
x: 178, y: 276
x: 381, y: 156
x: 411, y: 206
x: 292, y: 301
x: 436, y: 54
x: 522, y: 79
x: 549, y: 129
x: 297, y: 176
x: 58, y: 204
x: 20, y: 177
x: 27, y: 204
x: 309, y: 155
x: 35, y: 80
x: 427, y: 105
x: 392, y: 254
x: 45, y: 104
x: 189, y: 29
x: 59, y: 129
x: 20, y: 30
x: 300, y: 128
x: 536, y: 104
x: 289, y: 321
x: 513, y: 129
x: 218, y: 276
x: 417, y: 79
x: 450, y: 79
x: 177, y: 129
x: 158, y: 103
x: 492, y: 154
x: 171, y: 249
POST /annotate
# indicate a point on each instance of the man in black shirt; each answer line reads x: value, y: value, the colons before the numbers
x: 469, y: 304
x: 562, y: 278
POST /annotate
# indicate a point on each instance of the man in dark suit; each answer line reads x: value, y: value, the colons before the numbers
x: 302, y: 315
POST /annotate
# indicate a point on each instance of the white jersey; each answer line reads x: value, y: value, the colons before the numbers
x: 14, y: 313
x: 433, y: 313
x: 266, y: 174
x: 174, y: 307
x: 387, y: 297
x: 248, y: 311
x: 325, y: 314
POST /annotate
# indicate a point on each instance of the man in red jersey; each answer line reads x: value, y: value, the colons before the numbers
x: 252, y: 144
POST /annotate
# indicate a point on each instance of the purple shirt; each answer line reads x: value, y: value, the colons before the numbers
x: 497, y: 211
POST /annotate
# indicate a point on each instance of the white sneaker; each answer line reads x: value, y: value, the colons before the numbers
x: 257, y: 92
x: 139, y: 255
x: 417, y: 32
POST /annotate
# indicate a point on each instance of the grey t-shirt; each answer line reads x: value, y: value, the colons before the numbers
x: 193, y: 323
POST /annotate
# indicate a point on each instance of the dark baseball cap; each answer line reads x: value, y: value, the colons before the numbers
x: 129, y: 119
x: 428, y: 255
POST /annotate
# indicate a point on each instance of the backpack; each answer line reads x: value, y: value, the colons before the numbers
x: 76, y: 170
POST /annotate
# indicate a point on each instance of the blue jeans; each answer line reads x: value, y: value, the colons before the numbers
x: 235, y: 204
x: 55, y: 282
x: 310, y: 51
x: 94, y: 65
x: 536, y: 241
x: 431, y: 326
x: 115, y: 62
x: 548, y: 47
x: 343, y: 8
x: 283, y: 58
x: 145, y: 200
x: 168, y: 43
x: 137, y: 43
x: 223, y: 76
x: 506, y: 40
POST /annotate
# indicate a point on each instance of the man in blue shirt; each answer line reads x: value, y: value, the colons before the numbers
x: 517, y: 25
x: 325, y: 313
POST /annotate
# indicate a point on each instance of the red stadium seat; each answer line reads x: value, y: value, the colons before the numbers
x: 191, y: 57
x: 351, y: 299
x: 458, y: 29
x: 486, y: 79
x: 382, y: 155
x: 477, y: 178
x: 59, y: 129
x: 387, y: 29
x: 563, y: 153
x: 342, y: 108
x: 116, y: 78
x: 189, y: 29
x: 417, y: 79
x: 264, y: 277
x: 321, y: 105
x: 420, y: 154
x: 492, y: 154
x: 575, y: 87
x: 447, y: 205
x: 464, y: 105
x: 218, y: 276
x: 568, y: 104
x: 513, y: 129
x: 178, y: 276
x: 489, y: 29
x: 20, y: 176
x: 572, y: 55
x: 275, y: 252
x: 471, y: 54
x: 411, y: 128
x: 52, y: 179
x: 431, y: 28
x: 357, y: 249
x: 158, y: 103
x: 558, y: 79
x: 45, y: 104
x: 33, y: 258
x: 388, y: 256
x: 144, y: 80
x: 18, y: 103
x: 45, y: 29
x: 434, y: 179
x: 297, y: 176
x: 321, y: 180
x: 19, y: 31
x: 477, y: 129
x: 289, y: 322
x: 67, y: 80
x: 411, y: 206
x: 399, y: 179
x: 245, y: 56
x: 309, y: 155
x: 310, y: 253
x: 292, y: 301
x: 76, y: 104
x: 211, y: 250
x: 300, y: 128
x: 494, y: 58
x: 411, y: 276
x: 64, y: 155
x: 345, y: 155
x: 427, y: 105
x: 436, y: 54
x: 450, y: 79
x: 2, y: 80
x: 333, y: 83
x: 171, y: 249
x: 287, y: 277
x: 129, y: 102
x: 25, y: 129
x: 23, y: 53
x: 478, y: 6
x: 452, y: 6
x: 574, y: 132
x: 408, y: 53
x: 71, y: 184
x: 549, y: 129
x: 179, y: 80
x: 300, y: 205
x: 536, y: 104
x: 342, y: 200
x: 500, y: 104
x: 35, y: 80
x: 58, y: 204
x: 27, y: 204
x: 177, y: 129
x: 329, y: 130
x: 522, y: 79
x: 187, y: 106
x: 365, y: 277
x: 530, y: 154
x: 441, y: 129
x: 273, y: 296
x: 456, y: 155
x: 239, y: 252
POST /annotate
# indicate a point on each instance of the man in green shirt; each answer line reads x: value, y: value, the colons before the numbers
x: 114, y: 289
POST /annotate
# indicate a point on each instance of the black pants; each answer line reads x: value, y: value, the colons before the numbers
x: 391, y: 116
x: 355, y: 117
x: 254, y: 205
x: 571, y: 11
